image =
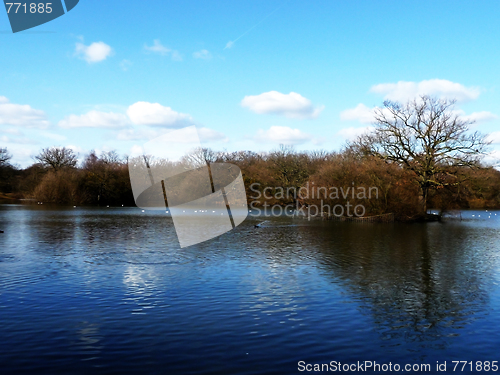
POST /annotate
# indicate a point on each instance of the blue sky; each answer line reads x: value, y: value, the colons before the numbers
x: 250, y: 74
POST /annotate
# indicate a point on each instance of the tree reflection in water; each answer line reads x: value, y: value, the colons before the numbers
x: 421, y: 283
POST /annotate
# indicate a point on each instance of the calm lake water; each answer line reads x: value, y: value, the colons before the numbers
x: 98, y: 291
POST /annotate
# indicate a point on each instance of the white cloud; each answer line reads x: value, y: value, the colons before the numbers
x: 291, y: 105
x: 21, y: 115
x: 361, y: 112
x: 352, y: 132
x: 97, y: 51
x: 95, y: 119
x: 203, y: 54
x: 154, y: 114
x: 282, y: 135
x: 402, y: 91
x: 160, y: 49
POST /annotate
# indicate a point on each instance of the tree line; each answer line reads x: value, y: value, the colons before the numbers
x: 57, y: 177
x: 421, y: 155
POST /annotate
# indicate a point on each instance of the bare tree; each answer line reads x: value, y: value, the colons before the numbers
x: 425, y: 136
x: 4, y: 157
x: 111, y: 157
x: 320, y: 155
x: 57, y: 158
x: 201, y: 157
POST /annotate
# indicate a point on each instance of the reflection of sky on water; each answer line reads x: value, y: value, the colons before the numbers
x: 142, y: 293
x: 102, y: 287
x: 272, y: 293
x: 89, y: 340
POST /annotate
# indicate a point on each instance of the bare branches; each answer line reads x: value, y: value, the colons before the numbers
x: 201, y: 157
x: 4, y: 157
x: 57, y: 158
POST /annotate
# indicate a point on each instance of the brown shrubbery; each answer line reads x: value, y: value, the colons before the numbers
x: 60, y: 187
x: 379, y: 186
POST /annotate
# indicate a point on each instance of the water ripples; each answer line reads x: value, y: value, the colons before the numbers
x: 110, y: 291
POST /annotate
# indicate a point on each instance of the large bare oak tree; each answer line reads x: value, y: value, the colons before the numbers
x: 57, y: 158
x: 426, y: 136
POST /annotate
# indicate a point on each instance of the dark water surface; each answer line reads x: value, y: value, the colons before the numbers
x: 95, y: 291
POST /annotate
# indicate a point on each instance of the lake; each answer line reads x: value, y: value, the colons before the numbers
x: 109, y: 291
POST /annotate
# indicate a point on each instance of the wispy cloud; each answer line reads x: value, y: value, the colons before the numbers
x: 160, y: 49
x: 230, y: 44
x: 203, y: 54
x: 176, y: 56
x: 125, y: 64
x: 157, y: 47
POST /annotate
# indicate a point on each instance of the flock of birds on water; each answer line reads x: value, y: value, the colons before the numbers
x: 259, y: 225
x: 489, y: 217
